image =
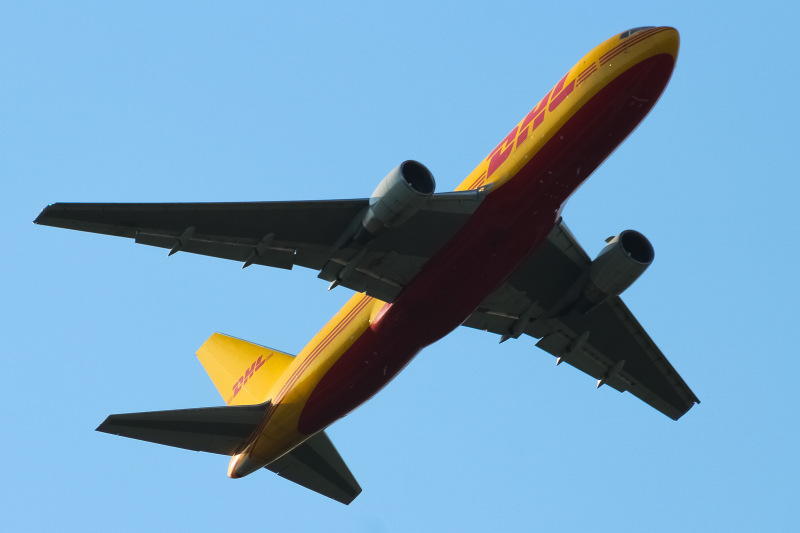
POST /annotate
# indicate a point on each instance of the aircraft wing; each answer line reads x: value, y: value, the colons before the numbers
x: 607, y: 343
x: 282, y: 234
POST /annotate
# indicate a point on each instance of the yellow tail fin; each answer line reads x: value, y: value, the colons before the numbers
x: 242, y: 372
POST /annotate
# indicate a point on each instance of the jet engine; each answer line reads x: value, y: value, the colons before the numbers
x: 616, y: 267
x: 396, y: 199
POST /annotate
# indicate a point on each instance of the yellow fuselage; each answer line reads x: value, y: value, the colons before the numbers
x: 528, y: 177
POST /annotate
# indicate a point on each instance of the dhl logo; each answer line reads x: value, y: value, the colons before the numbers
x: 533, y: 120
x: 258, y: 363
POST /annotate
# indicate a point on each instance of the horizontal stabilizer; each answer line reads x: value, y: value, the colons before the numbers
x: 222, y: 430
x: 316, y: 465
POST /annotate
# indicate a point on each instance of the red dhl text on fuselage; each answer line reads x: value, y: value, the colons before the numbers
x: 279, y: 431
x: 593, y: 72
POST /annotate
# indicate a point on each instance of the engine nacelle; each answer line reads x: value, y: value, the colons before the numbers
x: 396, y: 199
x: 616, y: 267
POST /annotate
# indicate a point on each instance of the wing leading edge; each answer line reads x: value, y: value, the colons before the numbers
x: 608, y: 343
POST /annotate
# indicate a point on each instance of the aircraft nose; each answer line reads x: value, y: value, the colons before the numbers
x: 671, y: 40
x: 660, y: 40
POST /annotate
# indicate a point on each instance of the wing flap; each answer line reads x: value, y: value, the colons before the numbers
x: 316, y: 465
x: 221, y: 430
x: 220, y: 247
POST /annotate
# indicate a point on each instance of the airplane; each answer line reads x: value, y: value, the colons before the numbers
x: 494, y: 255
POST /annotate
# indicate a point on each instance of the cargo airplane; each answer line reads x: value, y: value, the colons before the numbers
x: 492, y: 255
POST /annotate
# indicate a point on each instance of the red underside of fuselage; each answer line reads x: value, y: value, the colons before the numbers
x: 508, y: 226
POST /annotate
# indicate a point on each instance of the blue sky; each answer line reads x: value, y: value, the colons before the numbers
x: 207, y: 101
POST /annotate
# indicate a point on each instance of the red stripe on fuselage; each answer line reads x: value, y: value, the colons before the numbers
x: 509, y: 225
x: 351, y: 315
x: 298, y: 372
x: 583, y: 76
x: 630, y: 41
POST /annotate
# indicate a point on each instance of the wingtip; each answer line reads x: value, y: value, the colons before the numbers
x: 45, y: 217
x: 350, y: 499
x: 103, y: 428
x: 40, y: 218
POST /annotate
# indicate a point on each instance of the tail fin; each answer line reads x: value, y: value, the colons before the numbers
x: 242, y: 372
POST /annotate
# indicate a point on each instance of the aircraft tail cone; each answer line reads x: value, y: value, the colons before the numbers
x: 242, y: 465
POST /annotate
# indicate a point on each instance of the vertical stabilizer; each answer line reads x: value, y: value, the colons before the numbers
x: 243, y: 372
